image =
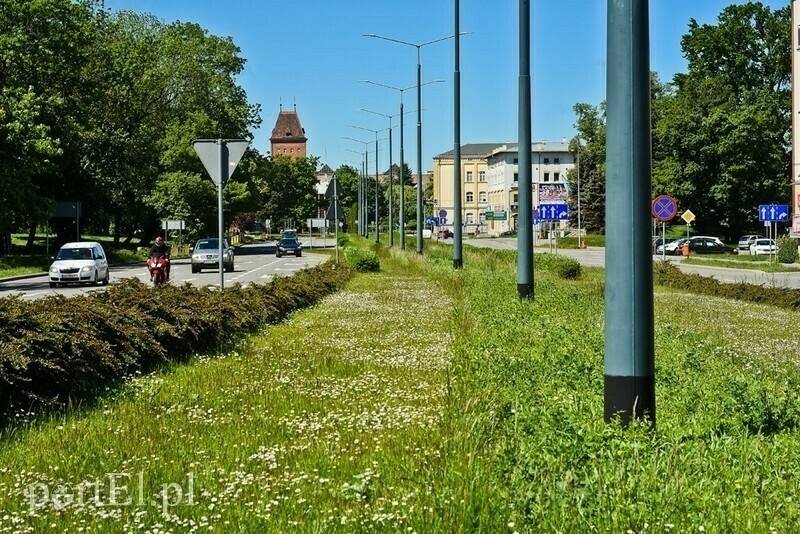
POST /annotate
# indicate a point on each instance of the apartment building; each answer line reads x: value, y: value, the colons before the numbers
x: 490, y: 182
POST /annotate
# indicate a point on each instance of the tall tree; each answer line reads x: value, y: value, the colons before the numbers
x: 723, y: 133
x: 288, y: 189
x: 591, y: 128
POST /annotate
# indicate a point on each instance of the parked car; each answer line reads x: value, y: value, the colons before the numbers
x: 701, y: 244
x: 80, y: 263
x: 672, y: 248
x: 659, y: 242
x: 444, y: 233
x: 508, y: 233
x: 205, y: 255
x: 288, y: 245
x: 763, y: 247
x: 746, y: 240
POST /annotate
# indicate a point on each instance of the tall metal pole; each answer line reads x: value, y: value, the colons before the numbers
x: 366, y: 191
x: 223, y: 177
x: 358, y: 204
x: 402, y: 218
x: 391, y: 228
x: 578, y: 165
x: 377, y: 232
x: 629, y: 345
x: 525, y: 211
x: 458, y: 260
x: 419, y: 153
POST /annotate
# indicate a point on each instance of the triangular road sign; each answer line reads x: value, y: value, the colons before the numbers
x: 208, y: 151
x: 334, y: 211
x: 334, y: 189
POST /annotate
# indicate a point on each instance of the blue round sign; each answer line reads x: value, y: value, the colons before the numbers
x: 664, y: 208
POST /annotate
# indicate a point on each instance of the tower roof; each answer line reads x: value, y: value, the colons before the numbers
x: 288, y: 128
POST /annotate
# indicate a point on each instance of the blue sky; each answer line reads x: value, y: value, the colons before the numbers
x: 312, y: 52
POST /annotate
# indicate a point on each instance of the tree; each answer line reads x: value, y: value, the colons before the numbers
x: 288, y: 188
x: 723, y: 132
x: 591, y: 128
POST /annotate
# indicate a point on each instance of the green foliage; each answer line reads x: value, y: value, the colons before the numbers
x: 722, y: 131
x: 787, y: 250
x: 288, y: 189
x: 563, y: 266
x: 362, y: 259
x: 344, y: 240
x: 56, y: 349
x: 668, y: 275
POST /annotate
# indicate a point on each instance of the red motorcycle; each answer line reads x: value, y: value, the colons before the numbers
x: 157, y: 265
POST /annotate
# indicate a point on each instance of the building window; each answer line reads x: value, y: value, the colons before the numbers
x: 481, y: 176
x: 516, y: 161
x: 556, y: 161
x: 482, y: 196
x: 470, y: 196
x: 547, y: 177
x: 470, y: 218
x: 547, y: 160
x: 469, y: 176
x: 513, y: 200
x: 556, y: 176
x: 516, y: 179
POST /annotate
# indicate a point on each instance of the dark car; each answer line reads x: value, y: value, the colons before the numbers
x: 444, y: 233
x: 288, y: 245
x: 706, y: 245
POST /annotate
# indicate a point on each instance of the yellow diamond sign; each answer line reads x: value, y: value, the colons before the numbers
x: 688, y: 216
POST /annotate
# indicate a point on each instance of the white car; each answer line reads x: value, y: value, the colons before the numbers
x: 78, y: 263
x: 763, y: 247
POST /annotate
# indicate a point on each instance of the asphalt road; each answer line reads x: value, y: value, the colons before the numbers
x: 253, y: 264
x: 596, y: 257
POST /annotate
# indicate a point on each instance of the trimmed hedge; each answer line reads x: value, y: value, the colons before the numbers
x: 55, y: 350
x: 668, y: 275
x: 787, y: 250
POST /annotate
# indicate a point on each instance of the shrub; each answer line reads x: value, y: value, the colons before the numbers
x: 58, y: 349
x: 787, y: 250
x: 563, y: 266
x: 344, y: 240
x: 362, y: 260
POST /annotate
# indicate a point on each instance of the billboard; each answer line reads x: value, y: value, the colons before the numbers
x: 553, y: 194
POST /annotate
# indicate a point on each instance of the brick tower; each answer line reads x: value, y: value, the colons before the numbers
x: 288, y: 136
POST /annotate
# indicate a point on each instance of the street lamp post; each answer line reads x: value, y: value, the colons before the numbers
x: 402, y: 217
x: 360, y: 192
x: 377, y: 232
x: 365, y: 184
x: 418, y: 46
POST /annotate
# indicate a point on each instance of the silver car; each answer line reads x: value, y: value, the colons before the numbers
x: 205, y: 255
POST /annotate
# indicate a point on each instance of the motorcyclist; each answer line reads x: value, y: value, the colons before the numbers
x: 160, y: 248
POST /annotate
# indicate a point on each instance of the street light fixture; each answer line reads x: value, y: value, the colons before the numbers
x: 363, y: 189
x: 402, y: 218
x: 418, y: 46
x: 391, y: 198
x: 377, y: 231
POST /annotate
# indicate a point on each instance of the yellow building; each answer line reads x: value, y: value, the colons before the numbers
x: 474, y: 164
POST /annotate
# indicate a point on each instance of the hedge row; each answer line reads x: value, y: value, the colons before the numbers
x: 55, y: 350
x: 668, y: 275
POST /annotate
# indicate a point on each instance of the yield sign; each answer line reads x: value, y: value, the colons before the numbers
x: 334, y: 189
x: 210, y: 154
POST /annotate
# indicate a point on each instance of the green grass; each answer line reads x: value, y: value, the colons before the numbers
x: 759, y: 263
x: 20, y: 265
x: 426, y: 400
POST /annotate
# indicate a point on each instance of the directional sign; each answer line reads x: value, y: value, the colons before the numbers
x: 773, y: 213
x: 553, y: 212
x: 664, y: 208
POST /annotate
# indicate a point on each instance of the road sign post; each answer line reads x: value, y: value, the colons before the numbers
x: 220, y: 157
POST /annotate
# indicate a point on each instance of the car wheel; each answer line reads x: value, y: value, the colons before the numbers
x: 53, y: 284
x: 299, y: 254
x: 95, y: 281
x: 107, y: 279
x: 195, y: 269
x: 229, y: 268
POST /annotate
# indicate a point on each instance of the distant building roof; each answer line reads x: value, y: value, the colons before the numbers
x: 325, y: 169
x: 536, y: 146
x: 288, y: 128
x: 472, y: 150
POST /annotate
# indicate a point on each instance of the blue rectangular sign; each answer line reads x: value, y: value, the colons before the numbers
x: 773, y: 213
x: 553, y: 212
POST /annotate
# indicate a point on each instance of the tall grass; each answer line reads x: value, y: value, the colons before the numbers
x: 422, y: 399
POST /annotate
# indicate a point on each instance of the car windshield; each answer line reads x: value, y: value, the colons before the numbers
x: 289, y: 242
x: 75, y: 254
x: 764, y: 242
x: 212, y: 244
